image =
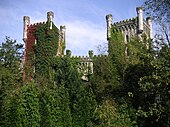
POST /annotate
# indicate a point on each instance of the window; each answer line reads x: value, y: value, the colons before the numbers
x: 127, y: 38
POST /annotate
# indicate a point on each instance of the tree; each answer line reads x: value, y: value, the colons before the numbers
x: 10, y: 53
x: 10, y: 63
x: 21, y: 107
x: 55, y: 107
x: 10, y: 69
x: 104, y: 78
x: 116, y: 76
x: 117, y: 48
x: 155, y: 89
x: 81, y: 98
x: 110, y: 114
x: 160, y: 11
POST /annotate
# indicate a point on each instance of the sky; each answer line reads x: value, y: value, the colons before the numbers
x: 84, y: 19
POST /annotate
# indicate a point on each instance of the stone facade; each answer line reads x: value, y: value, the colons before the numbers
x: 30, y: 38
x: 29, y: 34
x: 85, y: 65
x: 131, y: 27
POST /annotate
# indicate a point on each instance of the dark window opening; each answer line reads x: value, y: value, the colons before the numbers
x: 127, y: 38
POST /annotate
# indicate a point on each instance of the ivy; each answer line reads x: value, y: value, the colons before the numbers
x: 29, y: 106
x: 21, y: 107
x: 46, y: 48
x: 54, y: 107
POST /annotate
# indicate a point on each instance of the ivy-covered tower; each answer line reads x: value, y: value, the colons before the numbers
x: 136, y: 26
x: 42, y: 41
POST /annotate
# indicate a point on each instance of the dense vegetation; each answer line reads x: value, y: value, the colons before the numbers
x: 127, y: 89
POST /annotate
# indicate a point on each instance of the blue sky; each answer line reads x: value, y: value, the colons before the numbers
x: 84, y: 19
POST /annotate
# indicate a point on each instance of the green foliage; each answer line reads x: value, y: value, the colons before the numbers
x: 83, y: 107
x: 45, y: 49
x: 138, y: 66
x: 105, y: 114
x: 109, y: 81
x: 10, y: 62
x: 10, y: 53
x: 21, y: 107
x: 65, y: 107
x: 108, y: 114
x: 155, y: 89
x: 54, y: 108
x: 117, y: 48
x: 139, y: 51
x: 109, y: 70
x: 10, y: 73
x: 132, y: 77
x: 129, y: 87
x: 160, y: 12
x: 126, y: 116
x: 82, y: 99
x: 29, y: 106
x: 10, y: 111
x: 104, y: 78
x: 158, y: 9
x: 59, y: 99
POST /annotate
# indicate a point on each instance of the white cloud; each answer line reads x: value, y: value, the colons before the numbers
x: 82, y: 36
x: 84, y: 20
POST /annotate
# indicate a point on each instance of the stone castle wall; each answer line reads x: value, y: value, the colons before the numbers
x: 131, y: 27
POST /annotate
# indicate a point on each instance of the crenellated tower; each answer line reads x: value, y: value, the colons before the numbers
x: 109, y: 20
x: 136, y: 26
x: 149, y: 22
x: 42, y: 34
x: 50, y: 16
x: 140, y: 22
x: 85, y: 64
x: 61, y: 44
x: 51, y: 40
x: 26, y: 21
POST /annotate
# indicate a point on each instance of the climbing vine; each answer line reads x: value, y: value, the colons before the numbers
x: 45, y: 48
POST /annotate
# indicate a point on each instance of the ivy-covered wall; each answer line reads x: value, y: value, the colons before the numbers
x: 46, y: 48
x: 29, y: 52
x: 41, y: 47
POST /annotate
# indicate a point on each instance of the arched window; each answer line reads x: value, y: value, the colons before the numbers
x: 127, y: 38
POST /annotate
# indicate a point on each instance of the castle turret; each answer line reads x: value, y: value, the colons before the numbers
x: 68, y: 53
x: 90, y: 53
x: 149, y: 22
x: 26, y: 20
x: 109, y: 19
x: 63, y: 32
x: 61, y: 44
x: 140, y: 19
x: 50, y: 16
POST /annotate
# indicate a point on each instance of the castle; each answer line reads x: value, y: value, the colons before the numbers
x: 30, y: 38
x: 135, y: 26
x: 130, y: 27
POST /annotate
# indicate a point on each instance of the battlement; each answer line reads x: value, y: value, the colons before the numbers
x: 31, y: 39
x: 85, y: 63
x: 36, y: 24
x: 131, y: 27
x: 29, y: 29
x: 135, y: 26
x: 127, y: 21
